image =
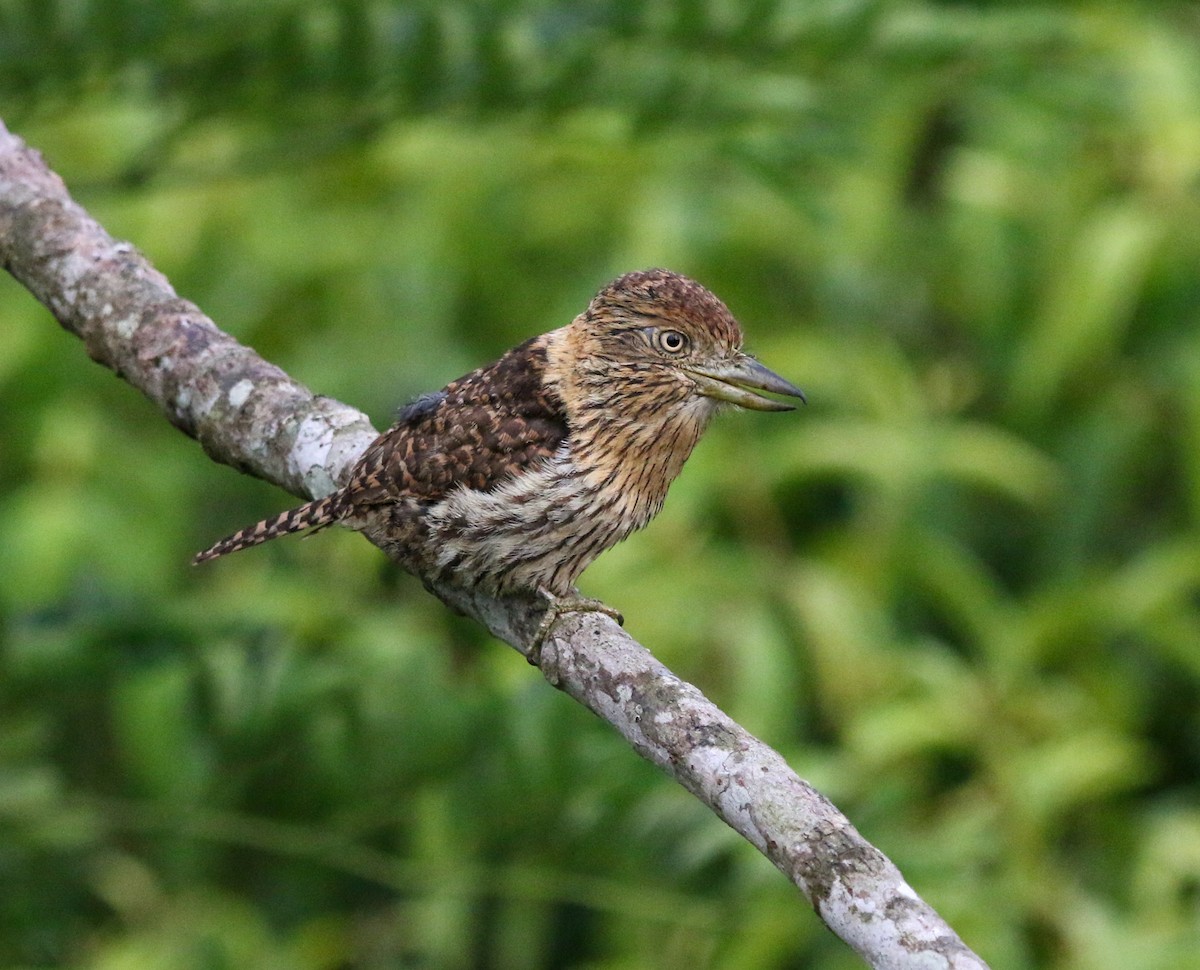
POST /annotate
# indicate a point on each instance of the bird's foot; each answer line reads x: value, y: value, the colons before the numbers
x: 560, y: 605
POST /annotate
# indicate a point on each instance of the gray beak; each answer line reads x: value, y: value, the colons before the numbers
x: 732, y: 380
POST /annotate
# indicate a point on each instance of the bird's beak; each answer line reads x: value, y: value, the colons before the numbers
x: 731, y: 380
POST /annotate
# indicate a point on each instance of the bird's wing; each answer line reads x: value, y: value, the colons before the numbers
x: 476, y: 433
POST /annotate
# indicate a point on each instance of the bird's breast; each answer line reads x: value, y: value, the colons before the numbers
x: 632, y: 466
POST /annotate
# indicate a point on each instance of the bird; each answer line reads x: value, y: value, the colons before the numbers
x: 515, y: 477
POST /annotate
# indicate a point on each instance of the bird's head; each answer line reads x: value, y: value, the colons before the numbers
x: 659, y: 348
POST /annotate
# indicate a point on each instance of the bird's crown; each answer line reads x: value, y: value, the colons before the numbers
x: 673, y: 311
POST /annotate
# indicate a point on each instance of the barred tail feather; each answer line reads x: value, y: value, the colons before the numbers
x: 314, y: 515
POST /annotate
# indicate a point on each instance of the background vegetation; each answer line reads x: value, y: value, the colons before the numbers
x: 960, y: 592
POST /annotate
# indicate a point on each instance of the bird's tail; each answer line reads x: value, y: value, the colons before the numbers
x: 314, y: 515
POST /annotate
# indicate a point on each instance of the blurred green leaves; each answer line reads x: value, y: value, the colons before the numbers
x: 959, y: 590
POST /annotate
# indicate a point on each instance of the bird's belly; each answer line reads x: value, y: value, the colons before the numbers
x: 539, y: 531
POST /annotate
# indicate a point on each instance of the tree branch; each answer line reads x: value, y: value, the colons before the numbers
x: 251, y: 415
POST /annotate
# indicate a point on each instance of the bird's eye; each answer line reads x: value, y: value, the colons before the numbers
x: 670, y: 341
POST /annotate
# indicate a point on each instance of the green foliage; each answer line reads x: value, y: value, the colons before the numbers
x: 959, y: 591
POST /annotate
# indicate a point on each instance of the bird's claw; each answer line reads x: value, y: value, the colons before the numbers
x: 559, y: 605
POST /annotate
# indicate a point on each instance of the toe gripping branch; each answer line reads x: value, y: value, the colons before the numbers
x: 557, y: 607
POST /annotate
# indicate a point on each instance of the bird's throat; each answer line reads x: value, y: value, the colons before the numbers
x: 633, y: 464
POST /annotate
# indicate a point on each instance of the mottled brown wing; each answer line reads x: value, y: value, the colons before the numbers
x: 477, y: 432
